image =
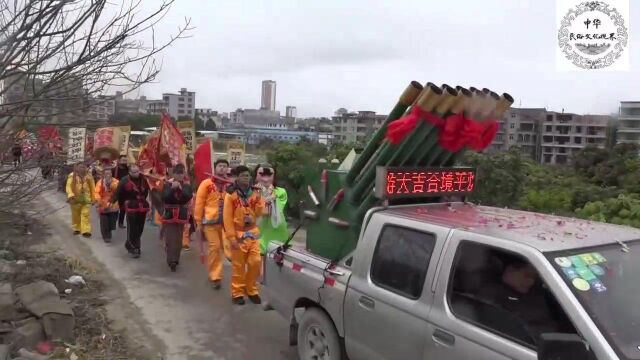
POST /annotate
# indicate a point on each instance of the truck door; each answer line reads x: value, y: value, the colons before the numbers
x: 388, y: 298
x: 490, y: 302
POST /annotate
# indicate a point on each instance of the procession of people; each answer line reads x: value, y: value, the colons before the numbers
x: 236, y: 211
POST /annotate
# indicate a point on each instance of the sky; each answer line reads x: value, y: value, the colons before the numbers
x: 360, y: 55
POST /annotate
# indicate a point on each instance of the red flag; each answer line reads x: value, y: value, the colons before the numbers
x: 172, y: 141
x: 50, y: 137
x: 165, y: 147
x: 149, y: 158
x: 202, y: 161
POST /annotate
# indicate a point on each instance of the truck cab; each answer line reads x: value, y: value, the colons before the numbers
x: 460, y: 281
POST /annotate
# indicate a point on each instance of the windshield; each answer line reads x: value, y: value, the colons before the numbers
x: 606, y: 281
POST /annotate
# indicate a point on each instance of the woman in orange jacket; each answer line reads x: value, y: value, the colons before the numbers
x: 242, y: 207
x: 104, y: 190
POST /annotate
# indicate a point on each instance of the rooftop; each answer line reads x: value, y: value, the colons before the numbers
x: 542, y: 232
x: 518, y: 109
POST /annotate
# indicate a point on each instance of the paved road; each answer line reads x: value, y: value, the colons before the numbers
x: 191, y: 319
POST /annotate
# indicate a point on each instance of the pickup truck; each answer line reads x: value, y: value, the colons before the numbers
x: 460, y: 281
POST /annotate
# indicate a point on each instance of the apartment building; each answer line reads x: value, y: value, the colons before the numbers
x: 155, y: 107
x: 520, y: 127
x: 356, y: 127
x: 102, y: 108
x: 182, y: 104
x: 260, y: 119
x: 209, y: 116
x: 563, y: 134
x: 291, y: 112
x: 628, y: 129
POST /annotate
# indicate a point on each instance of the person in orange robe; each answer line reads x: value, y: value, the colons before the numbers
x: 242, y: 207
x: 104, y: 191
x: 208, y: 217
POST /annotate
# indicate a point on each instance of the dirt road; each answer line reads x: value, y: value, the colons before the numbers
x: 176, y: 314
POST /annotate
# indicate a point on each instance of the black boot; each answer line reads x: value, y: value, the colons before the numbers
x: 238, y: 301
x: 173, y: 266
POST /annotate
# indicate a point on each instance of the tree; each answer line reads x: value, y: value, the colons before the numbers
x: 619, y: 166
x: 57, y: 57
x: 210, y: 125
x: 500, y: 177
x: 339, y: 151
x: 294, y: 165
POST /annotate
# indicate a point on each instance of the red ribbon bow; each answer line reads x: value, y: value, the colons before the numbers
x: 455, y: 132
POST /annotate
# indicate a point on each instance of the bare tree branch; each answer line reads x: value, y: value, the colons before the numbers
x: 57, y: 57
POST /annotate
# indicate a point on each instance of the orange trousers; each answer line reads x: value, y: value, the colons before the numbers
x: 246, y: 264
x: 214, y: 235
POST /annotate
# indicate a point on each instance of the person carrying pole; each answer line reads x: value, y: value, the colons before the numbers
x: 208, y: 216
x: 176, y: 196
x: 242, y: 207
x: 121, y: 171
x: 133, y: 191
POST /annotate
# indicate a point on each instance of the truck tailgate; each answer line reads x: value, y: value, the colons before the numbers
x: 304, y: 277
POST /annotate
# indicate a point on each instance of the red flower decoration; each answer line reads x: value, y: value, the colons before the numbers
x: 455, y: 132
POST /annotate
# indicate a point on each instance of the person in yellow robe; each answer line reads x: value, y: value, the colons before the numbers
x: 80, y: 196
x: 242, y: 207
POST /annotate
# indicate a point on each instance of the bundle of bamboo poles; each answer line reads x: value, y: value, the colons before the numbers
x: 421, y: 147
x: 336, y: 216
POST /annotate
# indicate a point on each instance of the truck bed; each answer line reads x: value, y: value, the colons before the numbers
x: 305, y: 278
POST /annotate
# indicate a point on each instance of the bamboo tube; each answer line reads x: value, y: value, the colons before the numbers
x: 407, y: 98
x: 368, y: 162
x: 503, y: 105
x: 487, y: 107
x: 463, y: 97
x: 452, y: 101
x: 446, y: 103
x: 402, y: 155
x: 505, y: 102
x: 474, y: 104
x: 427, y: 101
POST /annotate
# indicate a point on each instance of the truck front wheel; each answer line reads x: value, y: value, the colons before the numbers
x: 317, y: 337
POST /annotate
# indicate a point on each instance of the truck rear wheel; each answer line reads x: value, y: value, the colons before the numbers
x: 317, y: 337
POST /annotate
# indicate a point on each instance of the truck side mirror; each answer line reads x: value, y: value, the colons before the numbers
x: 555, y: 346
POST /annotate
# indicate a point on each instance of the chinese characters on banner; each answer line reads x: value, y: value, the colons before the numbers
x: 399, y: 182
x: 75, y: 153
x: 235, y: 153
x: 104, y: 137
x: 125, y: 135
x: 188, y: 130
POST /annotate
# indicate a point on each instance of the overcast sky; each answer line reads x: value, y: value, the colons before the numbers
x: 361, y: 54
